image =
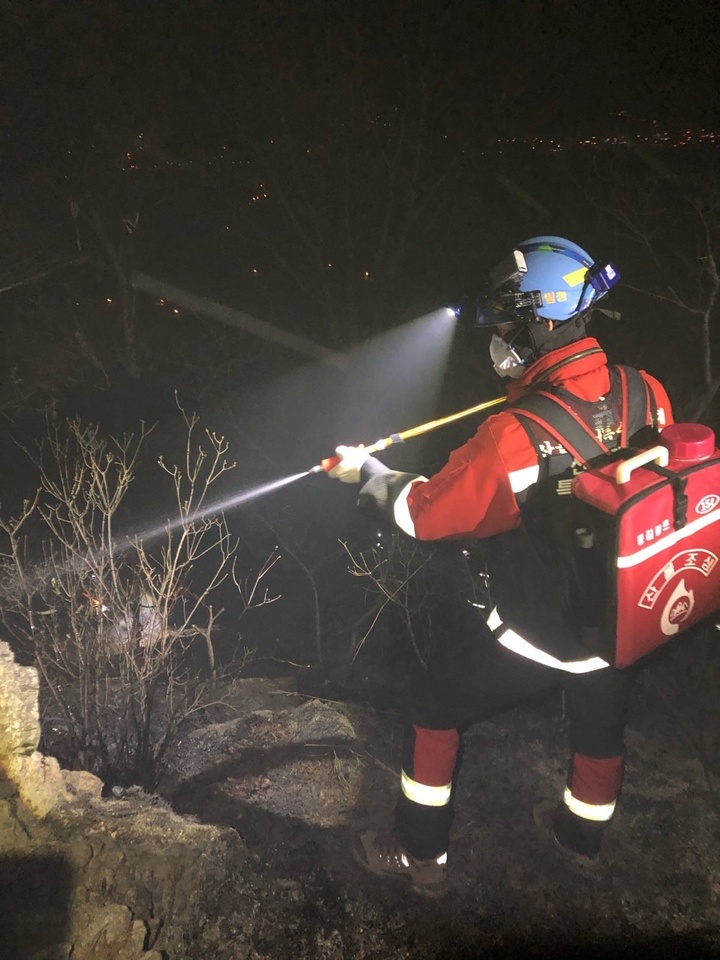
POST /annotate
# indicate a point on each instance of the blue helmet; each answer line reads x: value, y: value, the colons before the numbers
x: 545, y: 278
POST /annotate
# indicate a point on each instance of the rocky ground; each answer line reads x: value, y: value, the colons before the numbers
x: 244, y: 853
x: 655, y: 893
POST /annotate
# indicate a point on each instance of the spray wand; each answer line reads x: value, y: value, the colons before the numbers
x: 326, y: 465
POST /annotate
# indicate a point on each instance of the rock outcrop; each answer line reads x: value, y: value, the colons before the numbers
x: 38, y: 780
x: 100, y: 879
x: 288, y: 756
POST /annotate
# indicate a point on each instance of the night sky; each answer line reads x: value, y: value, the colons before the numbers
x: 192, y: 74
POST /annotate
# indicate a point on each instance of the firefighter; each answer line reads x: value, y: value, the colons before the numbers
x: 537, y: 304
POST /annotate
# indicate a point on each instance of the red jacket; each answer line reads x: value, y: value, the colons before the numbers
x: 474, y: 495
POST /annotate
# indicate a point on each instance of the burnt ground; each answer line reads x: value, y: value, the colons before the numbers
x: 257, y: 867
x: 654, y: 893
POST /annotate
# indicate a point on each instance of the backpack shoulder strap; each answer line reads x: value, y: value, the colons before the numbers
x: 638, y: 403
x: 551, y: 413
x: 554, y: 415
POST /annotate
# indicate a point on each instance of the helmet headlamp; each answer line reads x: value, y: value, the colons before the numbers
x: 511, y: 306
x: 504, y: 301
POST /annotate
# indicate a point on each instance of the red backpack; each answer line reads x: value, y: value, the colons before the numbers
x: 646, y: 528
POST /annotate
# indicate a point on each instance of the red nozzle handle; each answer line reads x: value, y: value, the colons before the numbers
x: 329, y: 462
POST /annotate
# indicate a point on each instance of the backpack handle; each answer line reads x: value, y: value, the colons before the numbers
x: 658, y: 455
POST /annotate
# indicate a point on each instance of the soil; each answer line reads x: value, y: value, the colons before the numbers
x: 244, y: 853
x: 655, y: 892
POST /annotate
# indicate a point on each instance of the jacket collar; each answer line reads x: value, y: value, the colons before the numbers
x: 572, y: 361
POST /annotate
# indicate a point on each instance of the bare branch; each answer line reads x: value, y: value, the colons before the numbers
x: 112, y: 629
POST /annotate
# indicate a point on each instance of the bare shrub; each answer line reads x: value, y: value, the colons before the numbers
x: 123, y: 630
x: 409, y: 584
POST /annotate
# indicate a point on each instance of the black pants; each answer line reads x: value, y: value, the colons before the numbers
x: 472, y: 678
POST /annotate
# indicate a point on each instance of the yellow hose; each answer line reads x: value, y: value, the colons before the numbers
x: 330, y: 462
x: 432, y: 425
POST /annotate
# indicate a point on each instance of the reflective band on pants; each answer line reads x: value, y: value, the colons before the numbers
x: 598, y: 812
x: 424, y: 795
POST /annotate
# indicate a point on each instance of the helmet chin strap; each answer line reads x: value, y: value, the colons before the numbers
x: 533, y: 340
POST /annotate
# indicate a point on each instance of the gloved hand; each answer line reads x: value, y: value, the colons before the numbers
x: 351, y: 461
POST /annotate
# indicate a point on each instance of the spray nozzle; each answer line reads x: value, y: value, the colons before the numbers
x: 326, y: 465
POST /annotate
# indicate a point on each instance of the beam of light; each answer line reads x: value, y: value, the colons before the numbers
x: 392, y: 379
x: 397, y: 376
x: 234, y: 318
x: 387, y: 382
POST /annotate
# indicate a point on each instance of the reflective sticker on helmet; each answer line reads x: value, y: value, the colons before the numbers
x: 575, y: 277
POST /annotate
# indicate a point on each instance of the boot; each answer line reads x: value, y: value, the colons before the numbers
x: 577, y: 836
x: 382, y: 854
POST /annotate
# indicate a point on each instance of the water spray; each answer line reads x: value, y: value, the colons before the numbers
x: 263, y: 489
x: 329, y: 462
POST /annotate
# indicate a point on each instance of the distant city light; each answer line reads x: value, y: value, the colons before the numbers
x: 619, y: 131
